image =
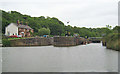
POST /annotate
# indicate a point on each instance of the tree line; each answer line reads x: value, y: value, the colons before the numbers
x: 52, y: 25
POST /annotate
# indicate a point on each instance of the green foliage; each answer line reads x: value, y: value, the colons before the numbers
x: 44, y: 31
x: 108, y: 26
x: 33, y: 34
x: 6, y: 43
x: 112, y: 39
x: 56, y: 26
x: 62, y: 34
x: 113, y: 42
x: 116, y: 29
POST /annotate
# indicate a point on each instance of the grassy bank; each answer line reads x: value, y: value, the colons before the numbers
x: 6, y: 43
x: 112, y: 41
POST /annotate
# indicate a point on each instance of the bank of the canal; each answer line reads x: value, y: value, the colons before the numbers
x: 112, y: 41
x: 60, y: 41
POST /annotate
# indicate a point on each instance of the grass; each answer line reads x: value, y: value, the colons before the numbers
x: 19, y: 38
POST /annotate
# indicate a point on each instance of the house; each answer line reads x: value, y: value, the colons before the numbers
x: 18, y: 29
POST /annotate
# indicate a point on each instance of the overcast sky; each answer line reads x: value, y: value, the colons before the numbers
x: 81, y: 13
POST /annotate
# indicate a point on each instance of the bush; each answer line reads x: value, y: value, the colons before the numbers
x: 6, y: 43
x: 44, y: 31
x: 113, y: 41
x: 62, y: 34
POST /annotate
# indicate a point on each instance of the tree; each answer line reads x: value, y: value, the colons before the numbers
x: 116, y: 29
x: 53, y: 24
x: 108, y: 26
x: 69, y: 29
x: 44, y: 31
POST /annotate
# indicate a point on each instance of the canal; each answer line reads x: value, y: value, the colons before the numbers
x: 83, y: 58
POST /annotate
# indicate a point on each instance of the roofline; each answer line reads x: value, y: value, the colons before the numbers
x: 11, y: 23
x: 25, y: 28
x: 17, y: 26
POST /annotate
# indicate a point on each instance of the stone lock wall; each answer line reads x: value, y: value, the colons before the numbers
x: 64, y: 41
x: 56, y: 41
x: 32, y: 42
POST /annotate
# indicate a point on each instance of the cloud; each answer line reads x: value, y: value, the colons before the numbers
x: 88, y: 13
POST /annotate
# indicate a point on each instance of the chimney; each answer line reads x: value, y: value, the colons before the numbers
x: 18, y: 22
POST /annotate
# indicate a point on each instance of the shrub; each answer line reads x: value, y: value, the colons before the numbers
x: 44, y: 31
x: 113, y: 41
x: 6, y: 42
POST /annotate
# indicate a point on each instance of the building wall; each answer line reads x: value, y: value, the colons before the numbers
x: 11, y: 29
x: 26, y: 32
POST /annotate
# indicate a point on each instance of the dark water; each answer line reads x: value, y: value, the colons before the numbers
x: 83, y: 58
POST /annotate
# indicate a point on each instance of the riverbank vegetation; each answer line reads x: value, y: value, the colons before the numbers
x: 5, y: 41
x: 112, y: 40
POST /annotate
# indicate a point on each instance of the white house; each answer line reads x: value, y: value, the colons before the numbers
x: 11, y: 29
x: 18, y: 29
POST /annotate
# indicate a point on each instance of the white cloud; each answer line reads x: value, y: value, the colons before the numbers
x: 88, y: 13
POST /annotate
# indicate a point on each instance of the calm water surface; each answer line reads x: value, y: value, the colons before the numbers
x: 83, y: 58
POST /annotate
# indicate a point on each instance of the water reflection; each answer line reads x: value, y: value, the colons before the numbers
x: 83, y: 58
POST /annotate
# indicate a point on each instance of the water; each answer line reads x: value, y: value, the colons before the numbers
x: 82, y: 58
